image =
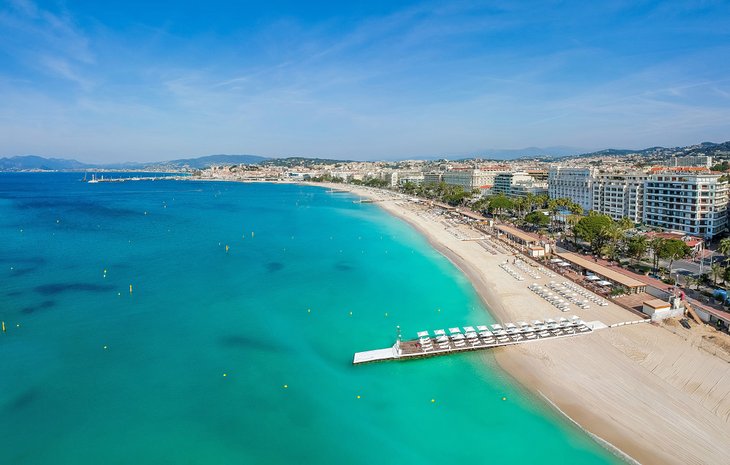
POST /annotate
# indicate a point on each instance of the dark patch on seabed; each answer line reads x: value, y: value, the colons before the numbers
x: 37, y: 261
x: 41, y: 306
x: 238, y: 341
x: 14, y: 293
x: 23, y: 271
x: 21, y: 401
x: 59, y: 288
x: 75, y: 207
x: 342, y: 266
x: 274, y: 266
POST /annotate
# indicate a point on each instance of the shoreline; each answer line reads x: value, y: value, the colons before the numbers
x: 627, y: 388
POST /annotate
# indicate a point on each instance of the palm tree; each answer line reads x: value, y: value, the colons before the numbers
x: 717, y: 271
x: 625, y: 224
x: 656, y: 245
x: 529, y: 201
x: 553, y: 206
x: 724, y: 247
x: 614, y: 237
x: 575, y: 209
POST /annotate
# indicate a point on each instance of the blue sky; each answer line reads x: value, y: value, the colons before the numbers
x: 142, y: 81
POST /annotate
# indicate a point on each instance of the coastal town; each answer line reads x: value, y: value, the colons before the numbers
x: 299, y: 232
x: 612, y: 240
x: 635, y: 225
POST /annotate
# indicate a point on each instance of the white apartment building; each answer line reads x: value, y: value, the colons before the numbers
x: 702, y: 161
x: 518, y: 184
x: 522, y: 188
x: 694, y: 203
x: 503, y: 182
x: 619, y: 195
x: 432, y: 177
x: 572, y: 183
x: 468, y: 178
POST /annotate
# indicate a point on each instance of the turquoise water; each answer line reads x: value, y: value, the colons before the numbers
x: 94, y: 374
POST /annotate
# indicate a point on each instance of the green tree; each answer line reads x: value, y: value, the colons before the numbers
x: 455, y: 195
x: 409, y: 187
x: 726, y: 275
x: 716, y: 271
x: 724, y: 247
x: 637, y: 247
x: 674, y: 249
x: 499, y: 203
x: 592, y: 229
x: 625, y: 224
x: 530, y: 201
x: 572, y: 220
x: 613, y: 238
x: 537, y: 219
x: 656, y: 245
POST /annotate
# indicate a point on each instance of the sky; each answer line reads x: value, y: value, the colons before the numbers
x: 109, y: 81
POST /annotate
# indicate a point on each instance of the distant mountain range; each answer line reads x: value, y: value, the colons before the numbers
x: 532, y: 152
x: 33, y: 162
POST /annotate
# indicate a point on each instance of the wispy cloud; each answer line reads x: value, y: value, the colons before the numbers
x: 39, y: 38
x: 423, y: 79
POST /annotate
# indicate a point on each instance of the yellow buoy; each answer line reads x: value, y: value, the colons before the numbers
x: 433, y: 401
x: 130, y: 288
x: 350, y: 313
x: 358, y: 396
x: 286, y: 386
x: 105, y: 347
x: 3, y: 326
x: 225, y: 374
x: 227, y: 248
x: 252, y: 234
x: 504, y: 398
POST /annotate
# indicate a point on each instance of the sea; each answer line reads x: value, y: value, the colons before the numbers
x: 191, y: 322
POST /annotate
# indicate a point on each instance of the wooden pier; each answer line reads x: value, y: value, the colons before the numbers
x: 477, y: 339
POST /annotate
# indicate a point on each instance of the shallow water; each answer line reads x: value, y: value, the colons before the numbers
x: 190, y: 367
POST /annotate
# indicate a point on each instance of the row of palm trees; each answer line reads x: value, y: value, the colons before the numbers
x: 520, y: 207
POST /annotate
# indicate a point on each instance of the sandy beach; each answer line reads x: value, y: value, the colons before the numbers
x: 650, y: 393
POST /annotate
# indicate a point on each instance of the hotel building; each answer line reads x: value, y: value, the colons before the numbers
x: 619, y: 195
x: 691, y: 202
x: 572, y: 183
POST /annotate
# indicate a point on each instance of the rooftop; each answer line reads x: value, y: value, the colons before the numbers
x: 517, y: 233
x: 656, y: 303
x: 601, y: 270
